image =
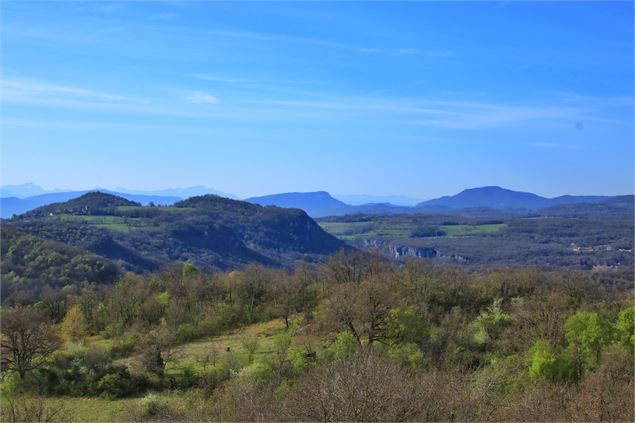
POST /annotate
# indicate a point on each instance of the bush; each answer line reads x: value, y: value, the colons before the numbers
x: 344, y: 346
x: 407, y: 354
x: 546, y: 364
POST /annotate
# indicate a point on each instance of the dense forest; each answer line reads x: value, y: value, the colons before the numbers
x: 356, y: 338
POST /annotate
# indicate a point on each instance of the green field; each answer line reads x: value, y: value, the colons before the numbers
x: 459, y: 230
x: 113, y: 223
x: 385, y: 228
x: 161, y: 208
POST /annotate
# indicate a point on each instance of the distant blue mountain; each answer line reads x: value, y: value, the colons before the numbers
x: 315, y: 204
x: 22, y: 190
x: 180, y: 192
x: 502, y: 199
x: 362, y: 199
x: 321, y: 204
x: 13, y: 205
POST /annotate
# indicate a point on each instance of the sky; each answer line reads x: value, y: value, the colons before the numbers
x: 416, y: 98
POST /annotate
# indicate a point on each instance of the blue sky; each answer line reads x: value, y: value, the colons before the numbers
x: 417, y: 98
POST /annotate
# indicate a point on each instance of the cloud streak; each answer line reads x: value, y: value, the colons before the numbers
x: 201, y: 97
x: 19, y: 90
x: 309, y: 107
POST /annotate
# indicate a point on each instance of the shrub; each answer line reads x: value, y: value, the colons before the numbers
x: 407, y: 354
x: 545, y: 363
x: 344, y: 346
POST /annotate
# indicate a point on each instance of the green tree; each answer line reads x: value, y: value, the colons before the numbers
x: 586, y: 333
x: 408, y: 325
x: 545, y: 363
x: 344, y: 346
x: 625, y: 328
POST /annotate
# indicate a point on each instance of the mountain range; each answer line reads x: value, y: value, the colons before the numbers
x: 319, y: 203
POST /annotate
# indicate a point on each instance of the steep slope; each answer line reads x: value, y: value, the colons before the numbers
x: 211, y: 231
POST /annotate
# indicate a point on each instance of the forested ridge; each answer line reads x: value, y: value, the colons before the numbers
x: 210, y: 231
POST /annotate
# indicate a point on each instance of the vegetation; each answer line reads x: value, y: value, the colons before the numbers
x: 597, y: 238
x: 356, y: 338
x: 36, y: 269
x: 210, y: 231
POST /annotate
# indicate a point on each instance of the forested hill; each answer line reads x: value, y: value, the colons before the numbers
x: 210, y: 231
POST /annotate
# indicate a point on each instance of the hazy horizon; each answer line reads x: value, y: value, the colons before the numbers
x: 353, y: 198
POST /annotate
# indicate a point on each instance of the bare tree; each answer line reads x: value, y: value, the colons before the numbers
x: 365, y: 387
x: 286, y: 297
x: 27, y: 340
x: 32, y: 410
x: 361, y: 309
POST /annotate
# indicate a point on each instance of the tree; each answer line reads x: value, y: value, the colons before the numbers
x: 625, y: 327
x: 74, y: 326
x: 586, y: 334
x: 27, y: 340
x: 362, y: 309
x: 157, y: 348
x: 189, y: 272
x: 286, y: 292
x: 363, y: 387
x: 545, y: 363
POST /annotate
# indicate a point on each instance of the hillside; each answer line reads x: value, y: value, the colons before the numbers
x: 14, y: 205
x: 500, y: 198
x: 614, y: 207
x: 32, y: 263
x: 210, y: 231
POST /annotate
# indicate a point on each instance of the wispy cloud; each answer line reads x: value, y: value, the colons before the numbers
x: 253, y: 105
x: 478, y: 116
x: 556, y: 146
x: 460, y: 115
x: 18, y: 90
x: 201, y: 97
x: 408, y: 51
x: 412, y: 51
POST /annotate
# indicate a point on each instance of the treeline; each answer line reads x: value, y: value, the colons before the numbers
x: 362, y: 341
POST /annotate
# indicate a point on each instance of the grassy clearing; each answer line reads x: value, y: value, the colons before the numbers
x: 347, y: 228
x: 161, y: 208
x: 198, y: 352
x: 459, y: 230
x: 84, y: 409
x: 113, y: 223
x: 351, y: 231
